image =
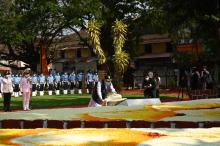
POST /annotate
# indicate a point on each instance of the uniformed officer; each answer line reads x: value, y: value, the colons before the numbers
x: 95, y: 78
x: 41, y: 80
x: 50, y: 81
x: 80, y: 80
x: 65, y: 82
x: 57, y: 83
x: 16, y: 82
x: 89, y: 81
x: 34, y: 84
x: 72, y: 79
x: 12, y: 77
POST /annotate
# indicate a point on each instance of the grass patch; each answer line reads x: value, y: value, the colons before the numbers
x: 47, y: 101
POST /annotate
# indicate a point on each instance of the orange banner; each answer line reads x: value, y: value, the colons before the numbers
x: 195, y: 48
x: 44, y: 68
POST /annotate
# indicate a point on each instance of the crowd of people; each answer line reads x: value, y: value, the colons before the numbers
x: 196, y: 78
x: 56, y: 82
x: 27, y: 84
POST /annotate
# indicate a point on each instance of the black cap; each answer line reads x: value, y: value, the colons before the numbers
x: 8, y: 73
x: 108, y: 78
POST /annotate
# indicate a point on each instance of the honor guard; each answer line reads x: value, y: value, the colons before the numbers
x: 65, y: 83
x: 72, y: 79
x: 12, y: 77
x: 34, y: 85
x: 89, y: 82
x: 41, y: 80
x: 80, y: 80
x: 95, y: 78
x: 57, y: 83
x: 50, y: 81
x: 17, y: 80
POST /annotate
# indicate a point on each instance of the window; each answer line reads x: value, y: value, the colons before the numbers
x: 169, y: 47
x: 148, y: 48
x: 78, y: 53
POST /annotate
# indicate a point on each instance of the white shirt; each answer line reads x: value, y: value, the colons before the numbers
x: 6, y: 85
x: 109, y: 89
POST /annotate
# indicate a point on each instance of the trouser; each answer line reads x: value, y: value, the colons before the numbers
x: 90, y: 86
x: 50, y: 87
x: 65, y: 85
x: 72, y: 85
x: 150, y: 93
x: 80, y: 84
x: 26, y: 100
x: 57, y: 86
x: 34, y: 87
x: 7, y: 101
x: 16, y: 88
x: 41, y: 87
x: 157, y: 93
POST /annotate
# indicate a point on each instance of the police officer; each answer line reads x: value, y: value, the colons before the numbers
x: 72, y: 79
x: 57, y: 83
x: 80, y: 80
x: 17, y: 80
x: 65, y: 82
x: 12, y: 77
x: 50, y: 81
x: 89, y: 82
x: 41, y: 80
x: 34, y: 84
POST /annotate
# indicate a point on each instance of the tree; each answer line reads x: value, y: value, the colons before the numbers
x: 199, y: 20
x: 27, y: 26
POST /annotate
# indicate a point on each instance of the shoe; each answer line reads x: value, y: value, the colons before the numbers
x: 28, y: 109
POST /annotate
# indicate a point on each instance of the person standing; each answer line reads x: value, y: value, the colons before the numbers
x: 50, y: 81
x: 80, y: 80
x: 195, y: 79
x: 17, y: 80
x: 158, y: 82
x: 206, y: 79
x: 72, y: 79
x: 42, y: 82
x: 57, y: 83
x: 6, y: 90
x: 149, y: 86
x: 65, y: 83
x: 34, y: 85
x: 95, y: 78
x: 25, y: 85
x: 89, y: 81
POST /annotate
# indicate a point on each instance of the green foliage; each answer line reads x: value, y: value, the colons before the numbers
x: 120, y: 58
x: 195, y: 19
x: 27, y: 25
x: 94, y: 36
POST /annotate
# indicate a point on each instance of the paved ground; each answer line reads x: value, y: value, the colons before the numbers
x: 196, y: 110
x: 109, y: 137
